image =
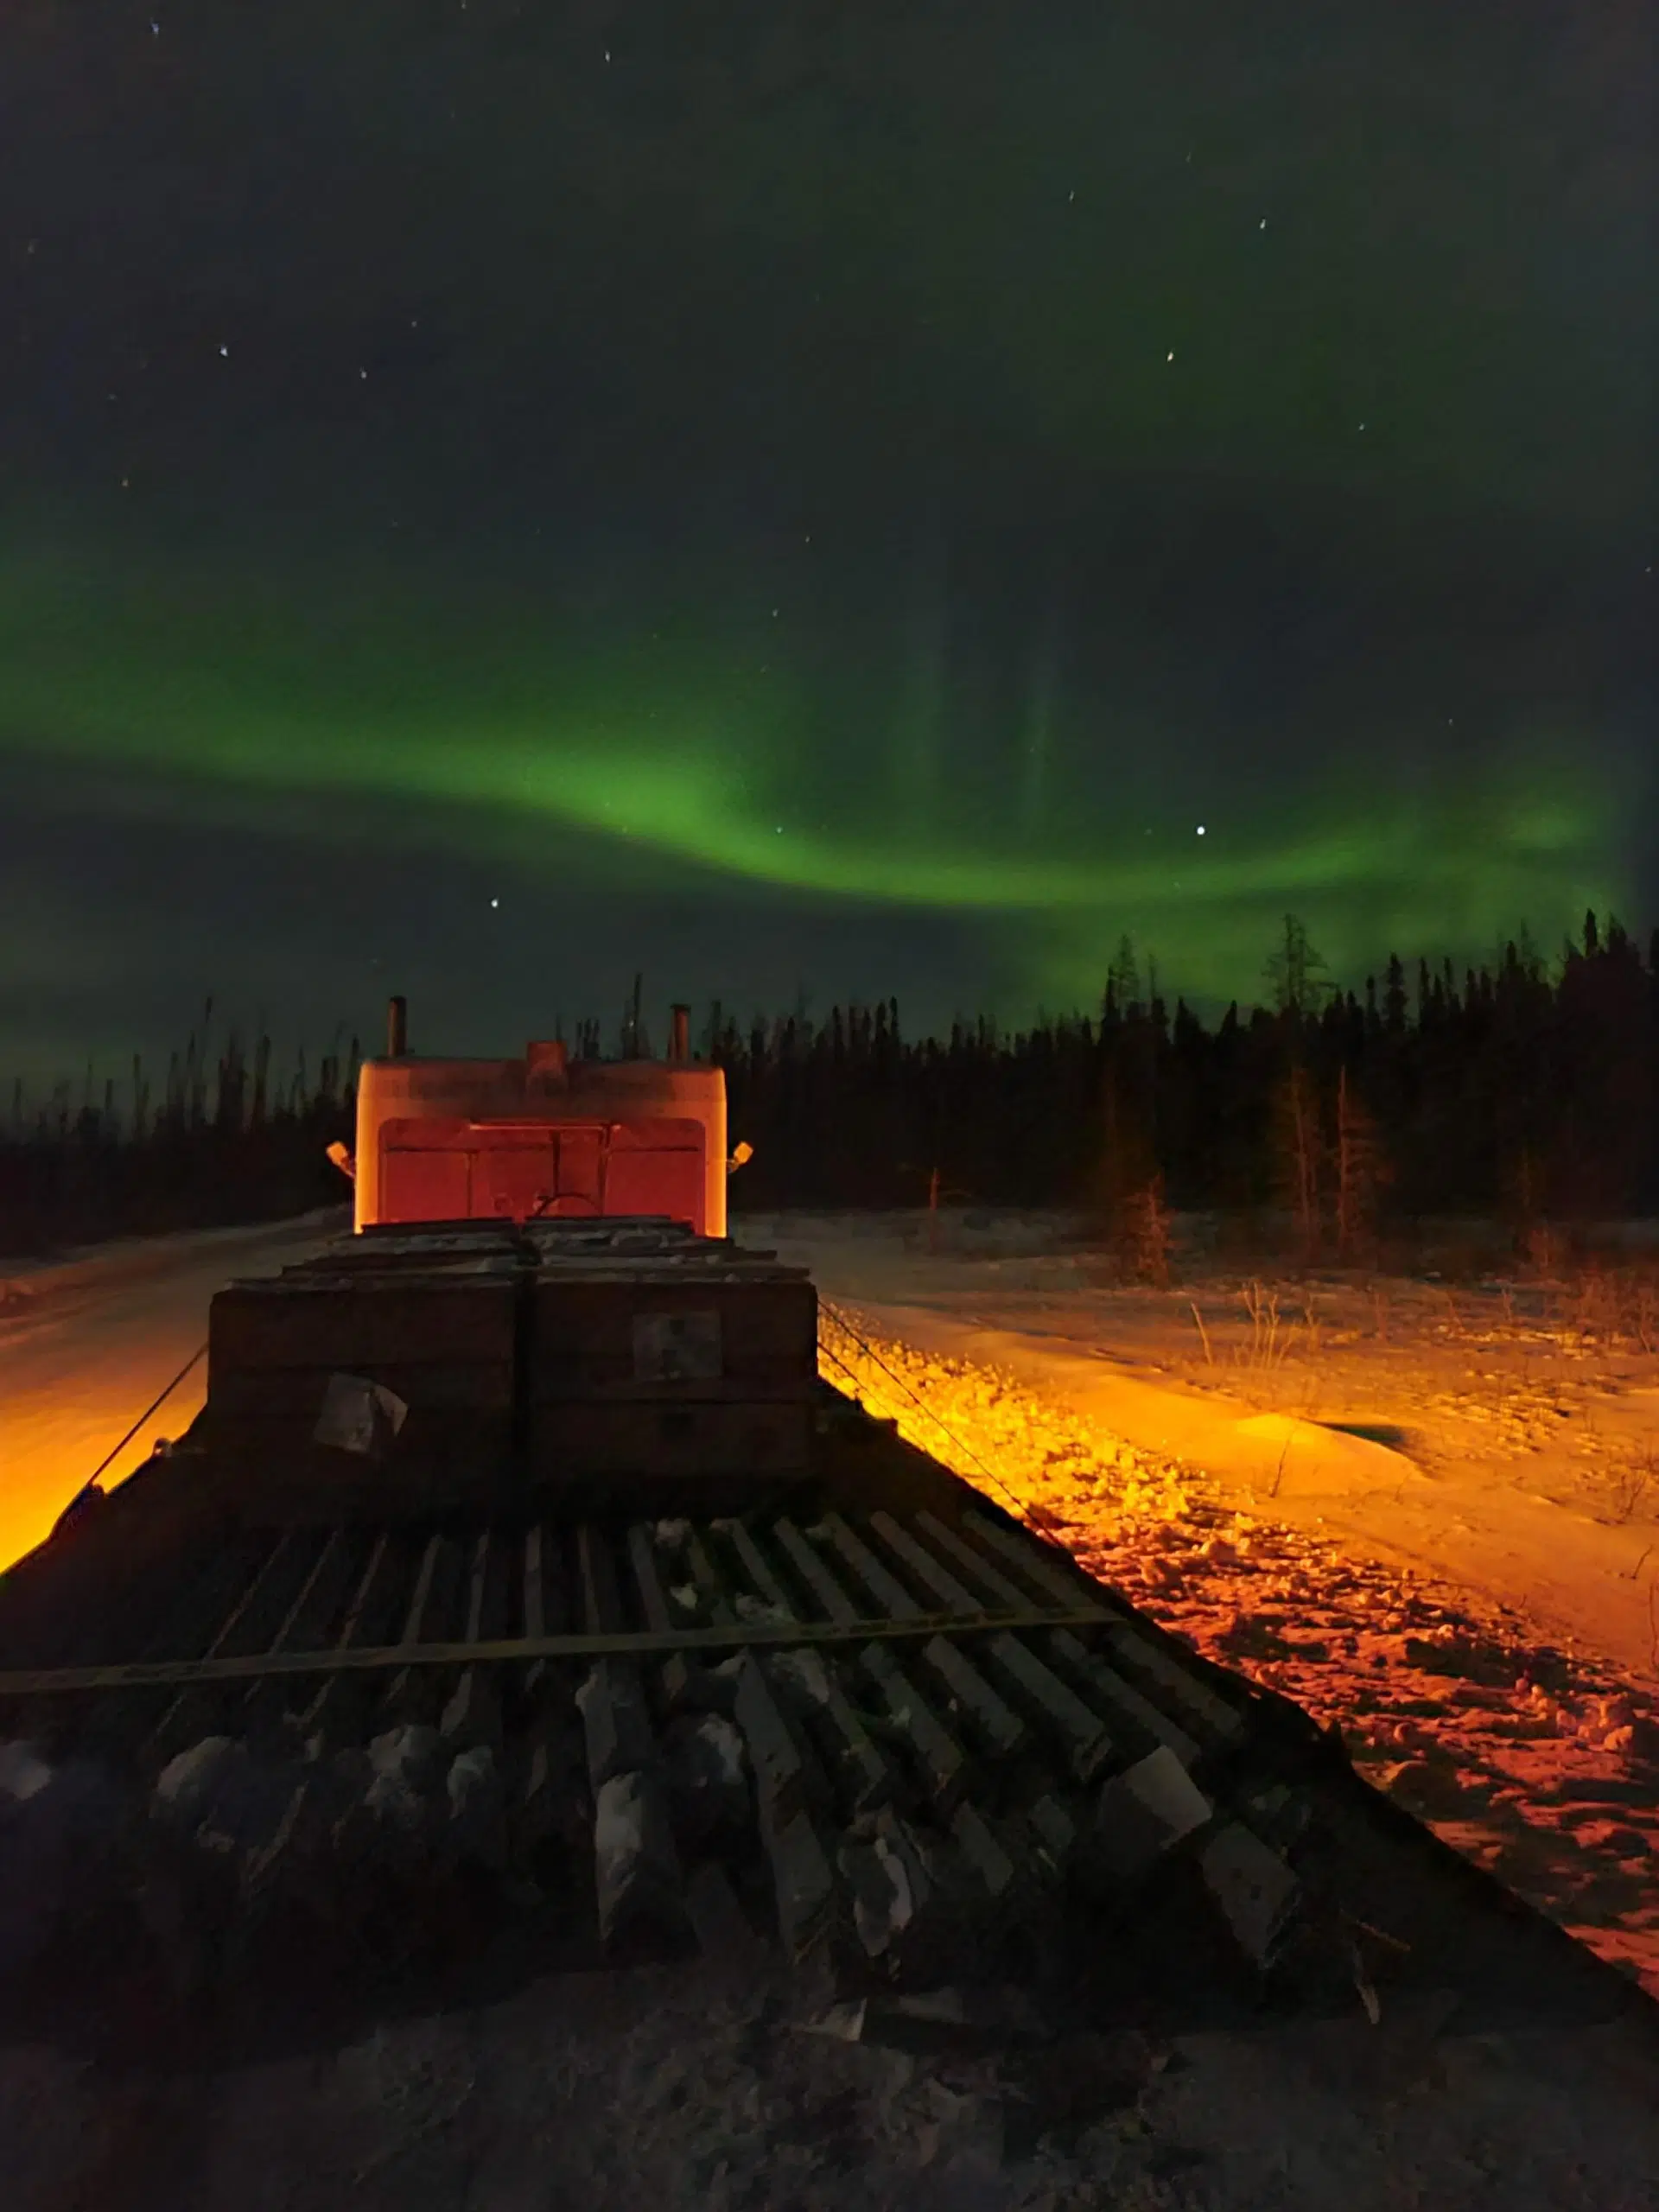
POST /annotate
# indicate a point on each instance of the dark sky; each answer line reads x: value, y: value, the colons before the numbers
x: 812, y: 500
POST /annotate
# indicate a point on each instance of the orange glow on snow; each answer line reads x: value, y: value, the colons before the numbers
x: 1529, y: 1758
x: 50, y: 1447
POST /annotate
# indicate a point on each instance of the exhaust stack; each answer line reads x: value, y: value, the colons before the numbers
x: 396, y: 1028
x: 679, y: 1038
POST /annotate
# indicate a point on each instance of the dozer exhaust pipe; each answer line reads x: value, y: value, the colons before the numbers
x: 396, y: 1028
x: 679, y: 1033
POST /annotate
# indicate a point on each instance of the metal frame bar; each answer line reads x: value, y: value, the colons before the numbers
x: 366, y: 1658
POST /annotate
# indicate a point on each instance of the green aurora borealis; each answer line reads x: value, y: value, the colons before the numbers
x: 689, y: 762
x: 734, y: 503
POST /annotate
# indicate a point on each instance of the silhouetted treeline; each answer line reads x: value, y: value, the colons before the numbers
x: 224, y: 1142
x: 1507, y: 1091
x: 1512, y: 1091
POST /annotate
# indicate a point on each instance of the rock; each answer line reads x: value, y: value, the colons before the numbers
x: 476, y: 1805
x: 707, y: 1777
x: 842, y: 2023
x: 804, y: 1673
x: 940, y: 1757
x: 1256, y: 1891
x: 1143, y: 1813
x: 227, y: 1800
x: 925, y: 1902
x: 403, y: 1763
x: 802, y: 1883
x: 780, y: 1775
x: 185, y: 1784
x: 615, y: 1722
x: 807, y: 1683
x: 947, y: 2007
x: 396, y: 1817
x: 760, y: 1612
x: 473, y: 1712
x: 883, y: 1903
x: 410, y: 1751
x: 23, y: 1774
x: 636, y: 1866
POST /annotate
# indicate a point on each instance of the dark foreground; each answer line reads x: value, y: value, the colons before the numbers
x: 374, y: 1834
x: 681, y: 2085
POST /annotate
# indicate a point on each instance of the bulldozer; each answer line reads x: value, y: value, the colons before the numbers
x: 522, y: 1550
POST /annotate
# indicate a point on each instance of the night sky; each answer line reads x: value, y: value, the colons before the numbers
x: 811, y: 499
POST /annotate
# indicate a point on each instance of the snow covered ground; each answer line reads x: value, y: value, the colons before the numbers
x: 87, y: 1343
x: 1428, y: 1511
x: 670, y: 2089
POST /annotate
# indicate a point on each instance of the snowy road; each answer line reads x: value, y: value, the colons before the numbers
x: 85, y: 1346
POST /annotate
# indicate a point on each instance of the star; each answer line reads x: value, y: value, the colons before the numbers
x: 1200, y: 829
x: 1169, y: 357
x: 495, y: 902
x: 224, y: 353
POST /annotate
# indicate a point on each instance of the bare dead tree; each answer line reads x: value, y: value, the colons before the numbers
x: 1146, y: 1232
x: 1295, y: 973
